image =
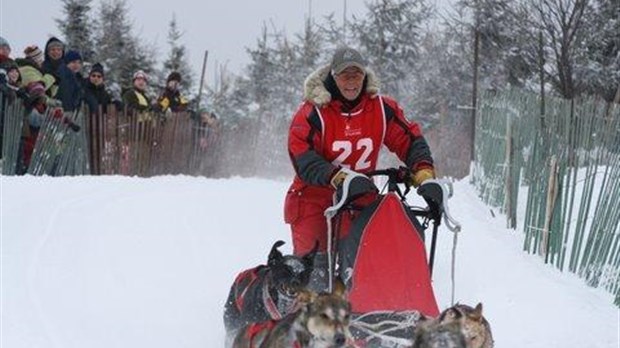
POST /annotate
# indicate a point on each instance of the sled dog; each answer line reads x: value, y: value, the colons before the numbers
x: 267, y: 292
x: 433, y: 334
x: 474, y: 326
x: 321, y: 322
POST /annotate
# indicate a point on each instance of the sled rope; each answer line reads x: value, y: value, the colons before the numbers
x: 453, y: 225
x: 329, y: 215
x: 453, y: 267
x: 386, y: 338
x: 382, y: 330
x: 375, y: 331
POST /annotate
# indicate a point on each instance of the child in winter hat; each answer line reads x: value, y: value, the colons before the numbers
x: 174, y: 76
x: 34, y: 53
x: 71, y: 56
x: 97, y: 68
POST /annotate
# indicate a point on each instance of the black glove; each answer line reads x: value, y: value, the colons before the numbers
x: 358, y: 187
x: 433, y: 195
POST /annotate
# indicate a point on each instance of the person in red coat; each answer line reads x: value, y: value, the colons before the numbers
x: 338, y: 129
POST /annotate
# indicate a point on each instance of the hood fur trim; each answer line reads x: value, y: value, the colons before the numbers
x: 316, y: 93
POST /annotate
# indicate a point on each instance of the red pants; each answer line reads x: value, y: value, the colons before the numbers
x: 304, y: 211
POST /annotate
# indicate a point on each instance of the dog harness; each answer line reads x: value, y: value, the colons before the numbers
x: 245, y: 280
x: 255, y: 328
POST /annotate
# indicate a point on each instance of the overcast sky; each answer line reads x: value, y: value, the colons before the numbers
x: 224, y: 27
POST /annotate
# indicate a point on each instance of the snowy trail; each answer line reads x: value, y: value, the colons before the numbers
x: 128, y: 262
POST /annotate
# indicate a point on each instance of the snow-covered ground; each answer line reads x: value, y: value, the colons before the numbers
x: 127, y: 262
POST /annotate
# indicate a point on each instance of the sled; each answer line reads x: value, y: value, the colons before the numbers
x: 382, y: 259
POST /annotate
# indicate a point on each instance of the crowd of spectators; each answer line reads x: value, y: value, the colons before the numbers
x: 50, y: 82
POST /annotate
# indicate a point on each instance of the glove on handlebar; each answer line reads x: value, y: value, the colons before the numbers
x: 359, y: 186
x: 422, y: 175
x: 433, y: 195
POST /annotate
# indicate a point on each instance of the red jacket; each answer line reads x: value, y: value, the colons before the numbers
x: 323, y: 138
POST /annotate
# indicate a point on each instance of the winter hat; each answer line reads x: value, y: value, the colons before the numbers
x: 174, y: 76
x: 345, y: 57
x: 36, y: 89
x: 140, y: 74
x: 97, y: 68
x: 71, y: 56
x: 54, y: 42
x: 4, y: 43
x: 34, y: 52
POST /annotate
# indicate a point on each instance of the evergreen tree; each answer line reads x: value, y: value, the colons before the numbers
x: 77, y: 27
x: 389, y: 36
x: 506, y: 51
x: 600, y: 64
x: 177, y: 58
x: 118, y: 50
x: 308, y: 46
x: 261, y: 70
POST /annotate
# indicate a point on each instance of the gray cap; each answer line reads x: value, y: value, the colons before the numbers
x: 3, y: 42
x: 345, y: 57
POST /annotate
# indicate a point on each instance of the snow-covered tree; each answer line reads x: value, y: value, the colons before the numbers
x: 117, y: 49
x: 505, y: 49
x: 600, y: 61
x: 389, y: 36
x: 177, y: 57
x: 562, y: 23
x: 308, y: 47
x: 77, y: 27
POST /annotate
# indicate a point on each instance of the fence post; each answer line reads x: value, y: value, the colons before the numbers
x: 510, y: 216
x: 552, y: 192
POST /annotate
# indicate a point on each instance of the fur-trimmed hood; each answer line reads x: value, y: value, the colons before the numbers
x: 316, y: 93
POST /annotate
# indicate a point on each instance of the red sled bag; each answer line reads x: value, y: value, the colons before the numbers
x: 382, y: 260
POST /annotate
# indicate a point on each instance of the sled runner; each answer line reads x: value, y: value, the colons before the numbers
x: 383, y: 261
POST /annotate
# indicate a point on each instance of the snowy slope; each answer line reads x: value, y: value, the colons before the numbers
x: 128, y: 262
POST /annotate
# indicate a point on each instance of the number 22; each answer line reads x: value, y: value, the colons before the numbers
x: 347, y: 149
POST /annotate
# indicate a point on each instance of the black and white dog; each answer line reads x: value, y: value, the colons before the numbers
x: 267, y: 292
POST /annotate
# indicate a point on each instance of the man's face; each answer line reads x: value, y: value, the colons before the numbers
x: 96, y: 78
x: 350, y: 82
x: 75, y: 65
x: 139, y: 83
x: 5, y: 51
x: 55, y: 52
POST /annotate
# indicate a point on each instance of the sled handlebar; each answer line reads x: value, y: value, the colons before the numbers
x: 402, y: 175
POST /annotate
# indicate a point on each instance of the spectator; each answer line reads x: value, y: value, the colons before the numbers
x: 70, y: 91
x: 95, y: 94
x: 54, y: 54
x: 136, y: 99
x: 5, y: 49
x: 8, y: 65
x: 36, y: 107
x: 14, y: 78
x: 9, y: 82
x: 171, y: 99
x: 30, y: 69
